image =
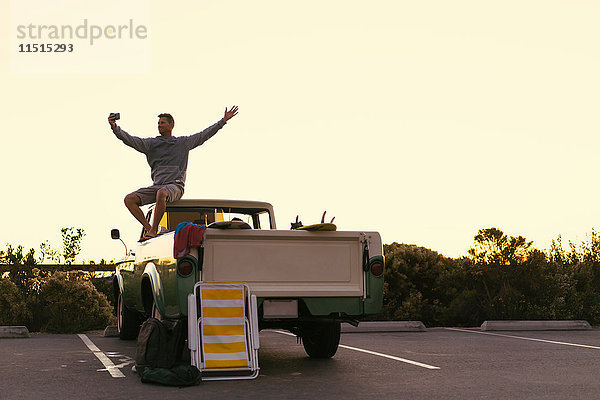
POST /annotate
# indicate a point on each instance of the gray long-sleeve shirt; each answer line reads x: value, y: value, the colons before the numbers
x: 167, y: 157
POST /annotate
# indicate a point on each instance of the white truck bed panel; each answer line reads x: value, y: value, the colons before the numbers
x: 278, y: 263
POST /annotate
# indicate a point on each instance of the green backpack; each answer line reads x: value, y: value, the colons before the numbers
x: 179, y: 375
x: 158, y: 352
x: 159, y: 344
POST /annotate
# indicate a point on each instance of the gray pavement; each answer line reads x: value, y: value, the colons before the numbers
x: 471, y: 365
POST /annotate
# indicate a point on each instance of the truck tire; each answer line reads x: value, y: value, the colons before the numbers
x: 128, y: 321
x: 321, y: 339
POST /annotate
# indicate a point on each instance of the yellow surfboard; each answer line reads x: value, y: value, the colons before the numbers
x: 326, y: 226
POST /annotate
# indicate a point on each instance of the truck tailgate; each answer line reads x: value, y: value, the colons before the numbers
x: 286, y: 263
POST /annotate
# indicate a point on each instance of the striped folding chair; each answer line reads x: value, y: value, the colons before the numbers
x: 223, y: 331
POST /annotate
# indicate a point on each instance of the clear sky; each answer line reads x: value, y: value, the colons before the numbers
x: 423, y: 120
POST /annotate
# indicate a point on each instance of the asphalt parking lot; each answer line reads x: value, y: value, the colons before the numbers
x: 441, y: 363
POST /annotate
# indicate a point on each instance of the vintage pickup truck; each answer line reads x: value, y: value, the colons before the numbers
x: 306, y: 282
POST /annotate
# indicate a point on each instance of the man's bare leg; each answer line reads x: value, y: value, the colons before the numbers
x: 133, y: 202
x: 159, y: 210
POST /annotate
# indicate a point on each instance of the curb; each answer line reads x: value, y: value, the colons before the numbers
x: 385, y: 326
x: 535, y: 325
x: 111, y: 331
x: 14, y: 332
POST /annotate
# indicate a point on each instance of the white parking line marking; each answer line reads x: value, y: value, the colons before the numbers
x: 526, y: 338
x: 404, y: 360
x: 110, y: 367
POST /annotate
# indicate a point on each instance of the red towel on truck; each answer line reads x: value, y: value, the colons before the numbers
x: 187, y: 235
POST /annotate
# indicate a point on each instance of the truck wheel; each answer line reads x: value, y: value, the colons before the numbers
x: 128, y: 321
x: 321, y: 339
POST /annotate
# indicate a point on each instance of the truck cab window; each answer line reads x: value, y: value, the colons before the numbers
x: 264, y: 220
x: 256, y: 218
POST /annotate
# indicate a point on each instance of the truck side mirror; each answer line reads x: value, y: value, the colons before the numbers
x: 114, y: 233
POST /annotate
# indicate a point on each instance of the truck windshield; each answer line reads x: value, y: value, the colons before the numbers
x: 256, y: 218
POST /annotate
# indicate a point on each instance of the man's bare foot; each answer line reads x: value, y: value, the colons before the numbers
x: 149, y: 235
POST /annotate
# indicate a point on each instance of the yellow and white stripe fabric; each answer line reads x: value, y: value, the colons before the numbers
x: 223, y: 325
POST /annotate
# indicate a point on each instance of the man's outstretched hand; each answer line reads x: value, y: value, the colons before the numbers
x: 231, y: 113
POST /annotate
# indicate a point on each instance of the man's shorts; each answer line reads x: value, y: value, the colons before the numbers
x: 148, y: 194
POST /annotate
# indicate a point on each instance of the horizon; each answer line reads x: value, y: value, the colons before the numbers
x: 82, y: 260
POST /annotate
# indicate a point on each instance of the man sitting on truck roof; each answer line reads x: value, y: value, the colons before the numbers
x: 167, y: 156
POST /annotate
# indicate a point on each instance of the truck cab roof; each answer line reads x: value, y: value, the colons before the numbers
x: 221, y: 203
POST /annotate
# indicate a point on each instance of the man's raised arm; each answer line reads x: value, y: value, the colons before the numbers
x: 135, y: 142
x: 197, y: 139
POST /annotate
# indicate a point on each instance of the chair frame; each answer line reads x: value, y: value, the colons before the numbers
x: 196, y: 337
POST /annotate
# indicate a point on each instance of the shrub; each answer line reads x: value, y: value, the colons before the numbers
x: 105, y: 286
x: 13, y: 308
x: 68, y: 305
x: 413, y: 288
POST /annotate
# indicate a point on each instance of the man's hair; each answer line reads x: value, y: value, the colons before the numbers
x: 169, y: 118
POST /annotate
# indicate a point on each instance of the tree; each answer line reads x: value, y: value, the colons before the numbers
x: 71, y: 238
x: 492, y: 246
x: 48, y: 252
x: 22, y: 268
x: 413, y: 288
x: 71, y: 243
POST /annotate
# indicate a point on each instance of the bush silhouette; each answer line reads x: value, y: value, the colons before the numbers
x: 13, y: 307
x: 69, y: 305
